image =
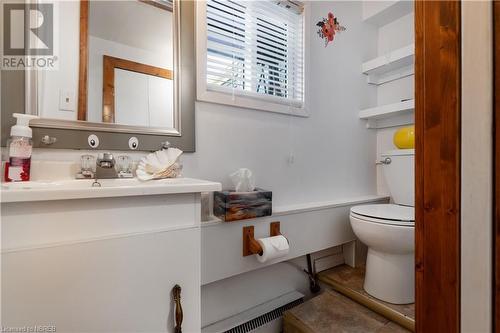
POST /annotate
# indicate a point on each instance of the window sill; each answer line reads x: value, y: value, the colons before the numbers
x: 251, y: 103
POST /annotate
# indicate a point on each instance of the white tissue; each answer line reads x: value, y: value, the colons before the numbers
x: 273, y: 247
x: 243, y: 180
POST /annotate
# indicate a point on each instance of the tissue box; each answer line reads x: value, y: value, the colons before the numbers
x: 234, y: 206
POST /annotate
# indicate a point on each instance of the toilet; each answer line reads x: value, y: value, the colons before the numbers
x: 388, y: 230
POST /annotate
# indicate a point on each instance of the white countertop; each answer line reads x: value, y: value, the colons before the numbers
x: 313, y: 206
x: 82, y: 188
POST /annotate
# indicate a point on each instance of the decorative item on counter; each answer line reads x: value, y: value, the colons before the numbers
x: 404, y: 138
x: 245, y: 201
x: 160, y: 164
x: 20, y: 147
x: 328, y: 27
x: 124, y: 166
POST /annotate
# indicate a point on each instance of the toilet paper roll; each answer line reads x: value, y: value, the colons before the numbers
x: 273, y: 247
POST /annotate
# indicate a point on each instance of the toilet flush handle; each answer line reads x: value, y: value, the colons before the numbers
x: 386, y: 161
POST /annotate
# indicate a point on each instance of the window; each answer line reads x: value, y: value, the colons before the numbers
x: 254, y: 51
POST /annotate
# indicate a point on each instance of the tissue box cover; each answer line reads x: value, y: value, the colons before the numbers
x: 234, y: 206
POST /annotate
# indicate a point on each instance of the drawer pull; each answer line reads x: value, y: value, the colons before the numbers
x: 178, y: 308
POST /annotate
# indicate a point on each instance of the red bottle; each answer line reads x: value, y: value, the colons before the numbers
x: 20, y: 147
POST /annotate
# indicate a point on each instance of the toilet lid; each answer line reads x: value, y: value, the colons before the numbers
x: 389, y: 212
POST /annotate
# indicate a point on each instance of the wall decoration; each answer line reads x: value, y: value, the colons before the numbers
x: 328, y: 27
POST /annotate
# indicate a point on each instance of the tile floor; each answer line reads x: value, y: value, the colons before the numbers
x: 354, y: 277
x: 331, y: 312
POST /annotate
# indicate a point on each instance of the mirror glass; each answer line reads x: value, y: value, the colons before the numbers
x: 129, y: 76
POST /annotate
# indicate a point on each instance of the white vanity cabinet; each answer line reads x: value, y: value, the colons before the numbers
x: 102, y: 265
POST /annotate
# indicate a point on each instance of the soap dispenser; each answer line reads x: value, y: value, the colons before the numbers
x: 19, y: 146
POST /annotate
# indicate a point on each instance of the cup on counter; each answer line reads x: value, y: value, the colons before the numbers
x: 87, y: 164
x: 123, y: 164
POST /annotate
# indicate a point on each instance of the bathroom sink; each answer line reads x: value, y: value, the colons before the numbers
x: 28, y: 185
x: 84, y: 183
x: 84, y: 188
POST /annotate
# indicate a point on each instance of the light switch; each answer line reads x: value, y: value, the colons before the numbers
x: 67, y: 100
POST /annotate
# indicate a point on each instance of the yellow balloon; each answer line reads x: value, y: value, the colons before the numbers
x: 404, y: 138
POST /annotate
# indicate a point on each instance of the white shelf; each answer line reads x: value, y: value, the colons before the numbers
x: 387, y: 110
x: 390, y: 13
x: 390, y: 115
x: 391, y: 66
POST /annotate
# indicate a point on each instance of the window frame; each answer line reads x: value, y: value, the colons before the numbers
x: 237, y: 99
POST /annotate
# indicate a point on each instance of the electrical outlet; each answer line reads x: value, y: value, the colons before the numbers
x: 67, y: 100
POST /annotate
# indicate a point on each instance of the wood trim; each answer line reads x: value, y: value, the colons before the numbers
x: 274, y: 229
x: 250, y: 245
x: 108, y: 81
x: 496, y: 172
x: 437, y: 165
x: 84, y: 59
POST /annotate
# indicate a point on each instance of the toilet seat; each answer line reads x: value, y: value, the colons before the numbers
x: 385, y: 214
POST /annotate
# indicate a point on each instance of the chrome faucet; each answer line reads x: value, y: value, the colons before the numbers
x: 105, y: 166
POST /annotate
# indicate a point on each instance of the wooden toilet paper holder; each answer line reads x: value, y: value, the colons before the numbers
x: 250, y: 245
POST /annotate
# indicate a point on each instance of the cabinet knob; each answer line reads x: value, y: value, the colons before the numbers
x: 176, y: 292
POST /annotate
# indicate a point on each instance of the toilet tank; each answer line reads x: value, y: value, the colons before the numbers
x: 399, y: 173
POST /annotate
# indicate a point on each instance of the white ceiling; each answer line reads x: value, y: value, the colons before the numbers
x: 132, y: 23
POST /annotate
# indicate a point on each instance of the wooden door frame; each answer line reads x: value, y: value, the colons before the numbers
x: 84, y: 60
x: 437, y: 165
x: 496, y: 169
x: 109, y: 65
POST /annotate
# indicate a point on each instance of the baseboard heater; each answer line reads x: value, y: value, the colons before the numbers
x: 258, y: 316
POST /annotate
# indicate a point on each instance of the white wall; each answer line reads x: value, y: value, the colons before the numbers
x: 143, y: 100
x: 234, y: 295
x: 372, y: 7
x: 66, y: 77
x: 130, y: 30
x: 392, y: 36
x: 99, y: 47
x: 477, y: 167
x: 332, y: 150
x: 133, y: 23
x: 333, y: 153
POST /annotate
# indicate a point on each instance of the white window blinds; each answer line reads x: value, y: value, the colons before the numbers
x: 255, y: 48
